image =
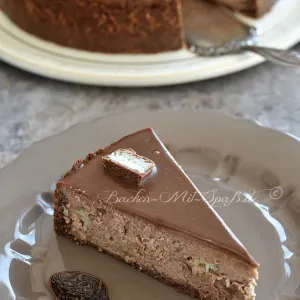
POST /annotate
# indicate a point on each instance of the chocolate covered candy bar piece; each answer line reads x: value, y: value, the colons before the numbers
x: 126, y: 163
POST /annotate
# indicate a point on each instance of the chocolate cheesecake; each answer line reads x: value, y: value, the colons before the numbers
x: 133, y: 201
x: 112, y: 26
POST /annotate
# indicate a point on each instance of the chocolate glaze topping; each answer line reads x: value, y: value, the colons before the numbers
x: 170, y: 197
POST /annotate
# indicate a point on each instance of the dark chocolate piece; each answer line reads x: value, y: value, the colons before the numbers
x: 127, y: 164
x: 69, y: 285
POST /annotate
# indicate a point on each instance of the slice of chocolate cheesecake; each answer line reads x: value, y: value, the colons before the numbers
x: 133, y: 201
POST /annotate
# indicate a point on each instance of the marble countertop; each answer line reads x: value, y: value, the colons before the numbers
x: 33, y: 108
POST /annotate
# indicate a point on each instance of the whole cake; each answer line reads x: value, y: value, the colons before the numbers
x: 133, y: 201
x: 112, y: 26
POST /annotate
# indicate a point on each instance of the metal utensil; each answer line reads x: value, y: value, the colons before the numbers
x: 212, y: 30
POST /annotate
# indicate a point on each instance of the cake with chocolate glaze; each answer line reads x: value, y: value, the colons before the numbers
x: 133, y: 201
x: 112, y: 26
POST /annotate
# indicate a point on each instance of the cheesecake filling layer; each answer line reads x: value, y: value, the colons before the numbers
x: 176, y: 259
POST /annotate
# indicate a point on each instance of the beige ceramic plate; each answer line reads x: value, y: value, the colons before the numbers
x: 248, y: 173
x: 280, y: 28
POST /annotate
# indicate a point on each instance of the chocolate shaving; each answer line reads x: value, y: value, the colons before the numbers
x: 71, y: 285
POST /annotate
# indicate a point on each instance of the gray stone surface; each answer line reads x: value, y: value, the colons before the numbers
x: 33, y: 108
